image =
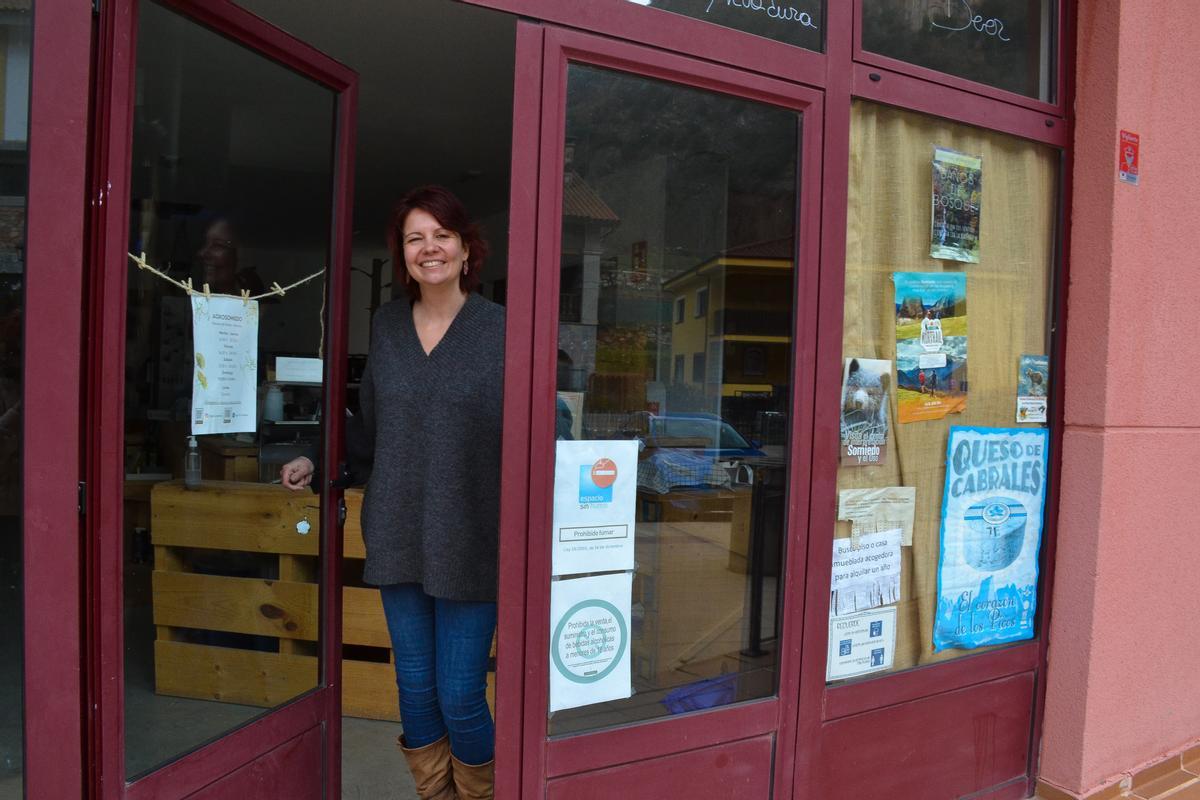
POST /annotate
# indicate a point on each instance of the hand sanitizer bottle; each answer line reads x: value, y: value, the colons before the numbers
x: 191, y: 465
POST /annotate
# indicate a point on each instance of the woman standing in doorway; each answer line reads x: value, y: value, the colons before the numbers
x: 431, y: 411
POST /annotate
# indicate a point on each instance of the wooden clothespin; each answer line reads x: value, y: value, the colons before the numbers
x: 207, y: 293
x: 245, y: 297
x: 188, y: 287
x: 277, y: 289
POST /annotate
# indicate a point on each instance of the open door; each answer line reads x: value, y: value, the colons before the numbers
x: 222, y: 174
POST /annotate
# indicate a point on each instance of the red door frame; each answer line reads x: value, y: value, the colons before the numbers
x: 515, y: 452
x: 52, y: 454
x: 546, y: 759
x: 110, y: 177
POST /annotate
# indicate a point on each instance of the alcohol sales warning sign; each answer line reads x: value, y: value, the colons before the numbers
x: 589, y: 644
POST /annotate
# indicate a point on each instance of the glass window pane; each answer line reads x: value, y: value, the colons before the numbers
x: 677, y: 282
x: 15, y: 37
x: 798, y: 22
x: 1008, y: 44
x: 231, y: 187
x: 898, y: 389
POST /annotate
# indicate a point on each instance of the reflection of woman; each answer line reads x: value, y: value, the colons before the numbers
x: 431, y: 409
x: 218, y: 256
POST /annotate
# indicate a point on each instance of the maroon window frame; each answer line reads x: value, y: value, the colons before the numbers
x: 843, y: 22
x: 552, y: 758
x: 670, y: 31
x: 52, y: 467
x: 957, y: 100
x: 110, y: 179
x: 1057, y: 107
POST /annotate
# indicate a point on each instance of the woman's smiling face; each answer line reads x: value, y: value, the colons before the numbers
x: 433, y: 255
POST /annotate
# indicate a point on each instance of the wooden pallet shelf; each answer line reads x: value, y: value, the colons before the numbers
x: 204, y: 604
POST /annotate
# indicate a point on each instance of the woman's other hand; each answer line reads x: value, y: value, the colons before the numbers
x: 296, y: 474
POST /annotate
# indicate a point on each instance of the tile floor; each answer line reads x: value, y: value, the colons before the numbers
x: 1177, y: 778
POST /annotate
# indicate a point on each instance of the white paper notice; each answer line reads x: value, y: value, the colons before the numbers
x: 861, y: 644
x: 867, y: 575
x: 224, y: 365
x: 299, y: 370
x: 589, y: 640
x: 875, y: 510
x: 595, y: 490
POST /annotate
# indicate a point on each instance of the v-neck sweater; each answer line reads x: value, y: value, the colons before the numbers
x: 432, y: 423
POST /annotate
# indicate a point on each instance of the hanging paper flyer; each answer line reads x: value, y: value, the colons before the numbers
x: 861, y: 644
x: 589, y: 641
x: 866, y: 383
x: 990, y: 536
x: 595, y: 492
x: 957, y: 201
x: 1033, y: 384
x: 224, y: 365
x: 931, y: 344
x: 866, y: 572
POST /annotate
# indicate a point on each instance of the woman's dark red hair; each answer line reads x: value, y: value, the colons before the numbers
x: 451, y: 214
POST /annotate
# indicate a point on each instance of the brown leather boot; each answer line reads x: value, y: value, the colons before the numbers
x: 430, y: 767
x: 473, y: 782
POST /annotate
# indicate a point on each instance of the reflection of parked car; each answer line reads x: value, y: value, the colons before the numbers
x: 706, y: 433
x: 691, y: 450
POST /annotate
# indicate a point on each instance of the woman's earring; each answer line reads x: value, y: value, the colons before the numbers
x: 466, y: 267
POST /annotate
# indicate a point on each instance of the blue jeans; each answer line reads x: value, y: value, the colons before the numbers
x: 442, y: 648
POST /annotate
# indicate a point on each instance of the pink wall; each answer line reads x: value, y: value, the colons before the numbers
x: 1124, y: 674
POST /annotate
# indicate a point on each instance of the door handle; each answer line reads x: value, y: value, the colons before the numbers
x: 341, y: 512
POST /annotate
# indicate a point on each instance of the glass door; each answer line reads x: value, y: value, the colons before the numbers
x: 678, y: 202
x: 219, y: 352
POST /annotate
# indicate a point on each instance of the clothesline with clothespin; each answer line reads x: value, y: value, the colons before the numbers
x: 245, y: 296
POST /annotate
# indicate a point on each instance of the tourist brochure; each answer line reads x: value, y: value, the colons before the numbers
x: 931, y: 344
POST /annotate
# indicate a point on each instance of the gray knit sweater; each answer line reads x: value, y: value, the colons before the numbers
x: 432, y: 430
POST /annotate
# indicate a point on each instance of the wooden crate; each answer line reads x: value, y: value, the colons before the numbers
x: 226, y: 461
x: 191, y: 594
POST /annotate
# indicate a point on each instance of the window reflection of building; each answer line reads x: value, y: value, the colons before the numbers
x: 661, y: 209
x: 745, y: 332
x: 586, y: 221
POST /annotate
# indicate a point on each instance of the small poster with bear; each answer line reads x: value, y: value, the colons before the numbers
x: 866, y: 387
